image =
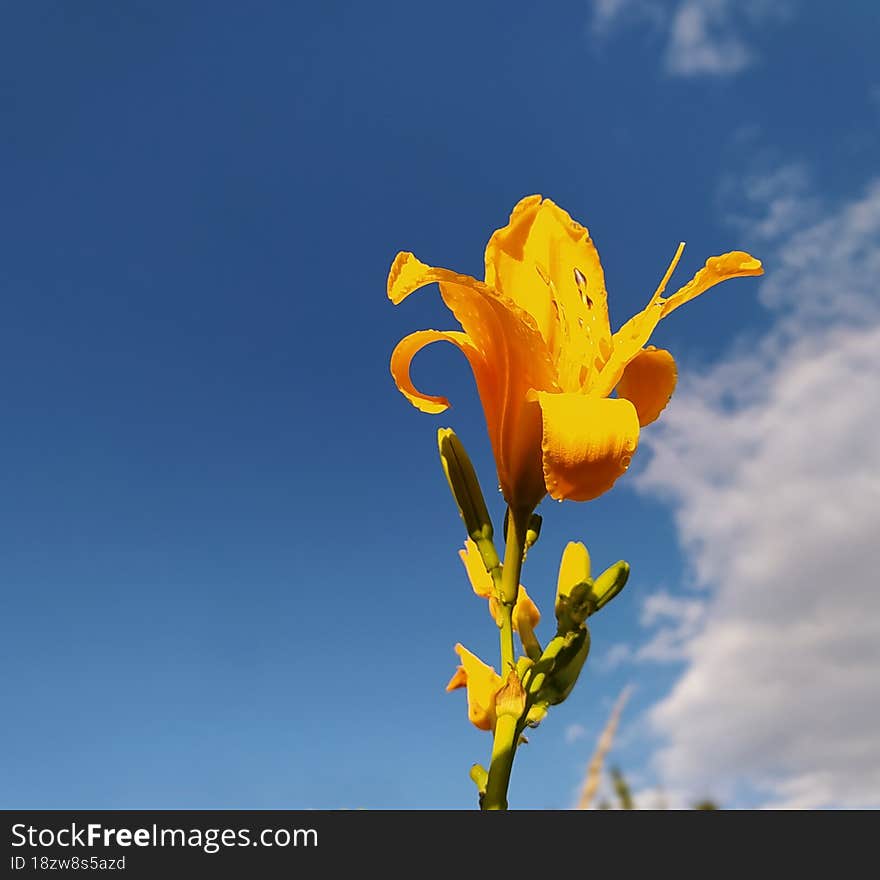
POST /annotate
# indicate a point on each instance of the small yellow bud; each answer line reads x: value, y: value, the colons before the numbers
x: 573, y: 588
x: 480, y: 777
x: 574, y: 569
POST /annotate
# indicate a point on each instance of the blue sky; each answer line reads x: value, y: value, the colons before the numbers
x: 229, y: 571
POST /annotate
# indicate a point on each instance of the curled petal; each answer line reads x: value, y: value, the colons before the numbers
x: 514, y: 359
x: 736, y: 264
x: 410, y: 346
x: 648, y: 382
x: 407, y: 274
x: 588, y: 443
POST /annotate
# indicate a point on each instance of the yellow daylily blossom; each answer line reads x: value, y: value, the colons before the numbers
x: 482, y: 683
x: 539, y: 342
x: 526, y: 615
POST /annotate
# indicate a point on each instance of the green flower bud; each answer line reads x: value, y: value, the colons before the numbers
x: 610, y: 583
x: 572, y: 610
x: 569, y: 662
x: 536, y: 714
x: 465, y: 486
x: 533, y: 531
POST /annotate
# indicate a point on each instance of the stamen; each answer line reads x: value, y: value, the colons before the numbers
x: 659, y: 291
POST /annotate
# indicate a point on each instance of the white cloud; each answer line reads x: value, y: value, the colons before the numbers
x: 681, y: 619
x: 769, y: 205
x: 831, y: 270
x: 773, y: 465
x: 609, y: 15
x: 703, y: 37
x: 702, y: 40
x: 616, y: 655
x: 662, y: 799
x: 673, y: 619
x: 574, y: 732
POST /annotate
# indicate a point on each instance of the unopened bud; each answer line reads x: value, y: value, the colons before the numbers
x: 610, y: 583
x: 465, y: 486
x: 533, y: 531
x: 569, y: 662
x: 480, y: 777
x: 574, y: 569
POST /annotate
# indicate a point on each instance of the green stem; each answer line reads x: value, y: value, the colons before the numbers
x: 506, y: 732
x: 508, y: 656
x: 503, y: 750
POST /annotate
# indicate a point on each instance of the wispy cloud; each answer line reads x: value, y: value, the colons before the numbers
x: 574, y: 732
x: 702, y: 37
x: 680, y: 620
x: 771, y: 204
x: 616, y: 655
x: 672, y: 622
x: 772, y: 462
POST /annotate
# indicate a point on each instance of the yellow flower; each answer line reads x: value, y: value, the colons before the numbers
x: 482, y: 683
x: 539, y: 342
x: 526, y: 615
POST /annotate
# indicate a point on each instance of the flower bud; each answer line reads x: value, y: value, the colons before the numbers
x: 465, y: 486
x: 573, y: 588
x: 569, y: 662
x: 480, y: 777
x: 533, y: 531
x: 610, y: 583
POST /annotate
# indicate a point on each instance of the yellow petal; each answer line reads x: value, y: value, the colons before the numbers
x: 626, y: 343
x: 411, y: 345
x: 547, y: 264
x: 458, y: 680
x: 516, y: 360
x: 574, y: 567
x: 482, y: 683
x: 588, y: 443
x: 480, y: 579
x: 525, y: 612
x: 736, y: 264
x: 648, y: 382
x: 634, y: 334
x: 405, y: 276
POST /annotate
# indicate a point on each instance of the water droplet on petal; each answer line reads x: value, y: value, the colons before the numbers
x: 581, y: 282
